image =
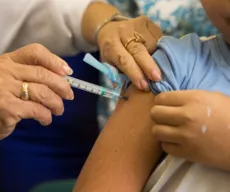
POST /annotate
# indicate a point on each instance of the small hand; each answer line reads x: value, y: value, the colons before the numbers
x: 194, y: 125
x: 134, y: 60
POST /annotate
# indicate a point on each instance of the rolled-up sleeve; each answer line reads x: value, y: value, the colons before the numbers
x: 183, y: 64
x: 177, y: 59
x: 55, y: 24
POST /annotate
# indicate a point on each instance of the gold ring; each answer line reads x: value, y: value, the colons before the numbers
x: 137, y: 38
x: 24, y: 91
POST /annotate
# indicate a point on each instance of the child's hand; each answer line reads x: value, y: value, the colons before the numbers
x: 194, y: 125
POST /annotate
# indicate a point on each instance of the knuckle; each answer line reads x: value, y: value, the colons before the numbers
x: 60, y: 103
x: 59, y: 107
x: 48, y: 119
x: 123, y: 60
x: 41, y: 114
x: 108, y: 46
x: 183, y: 137
x: 144, y: 19
x: 188, y: 139
x: 8, y: 121
x: 41, y: 73
x: 52, y: 59
x: 157, y: 28
x: 7, y: 130
x: 122, y: 27
x: 36, y: 47
x: 8, y: 117
x: 156, y: 133
x: 136, y: 48
x: 5, y: 58
x: 7, y: 67
x: 153, y: 112
x: 64, y: 86
x: 3, y: 136
x: 188, y: 116
x: 160, y: 97
x: 36, y: 110
x: 35, y: 50
x: 45, y: 93
x: 166, y: 148
x: 199, y: 97
x: 3, y: 102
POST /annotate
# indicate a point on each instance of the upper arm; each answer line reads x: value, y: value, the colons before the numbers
x: 125, y: 152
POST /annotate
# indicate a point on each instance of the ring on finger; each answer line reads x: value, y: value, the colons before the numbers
x: 138, y: 38
x: 24, y: 91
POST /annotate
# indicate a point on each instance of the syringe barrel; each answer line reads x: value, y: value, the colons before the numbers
x: 92, y: 88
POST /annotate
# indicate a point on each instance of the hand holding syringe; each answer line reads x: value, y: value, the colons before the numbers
x: 92, y: 88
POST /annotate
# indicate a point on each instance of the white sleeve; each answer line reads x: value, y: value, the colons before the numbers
x: 56, y: 24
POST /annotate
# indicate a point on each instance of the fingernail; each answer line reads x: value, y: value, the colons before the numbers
x: 144, y: 85
x: 59, y: 112
x: 71, y: 95
x: 44, y: 124
x: 67, y: 69
x: 155, y: 75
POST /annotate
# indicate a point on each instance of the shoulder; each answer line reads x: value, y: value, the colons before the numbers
x: 190, y: 47
x: 178, y: 58
x: 179, y: 52
x: 189, y: 41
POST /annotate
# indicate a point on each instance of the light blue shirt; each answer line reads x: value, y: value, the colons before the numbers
x: 190, y: 63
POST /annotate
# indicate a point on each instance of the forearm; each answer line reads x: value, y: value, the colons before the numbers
x: 125, y: 152
x: 96, y: 14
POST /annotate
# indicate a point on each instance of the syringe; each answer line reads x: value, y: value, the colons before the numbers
x: 92, y: 88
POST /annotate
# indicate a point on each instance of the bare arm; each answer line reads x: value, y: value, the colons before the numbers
x: 125, y: 152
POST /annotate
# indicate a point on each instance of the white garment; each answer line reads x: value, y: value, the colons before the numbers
x: 56, y: 24
x: 178, y: 175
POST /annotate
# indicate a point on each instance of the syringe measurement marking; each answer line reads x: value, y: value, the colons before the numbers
x: 87, y: 88
x: 91, y: 88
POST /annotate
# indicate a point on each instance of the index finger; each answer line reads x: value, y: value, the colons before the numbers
x: 144, y: 60
x: 174, y: 98
x: 37, y: 74
x: 36, y: 54
x: 125, y: 62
